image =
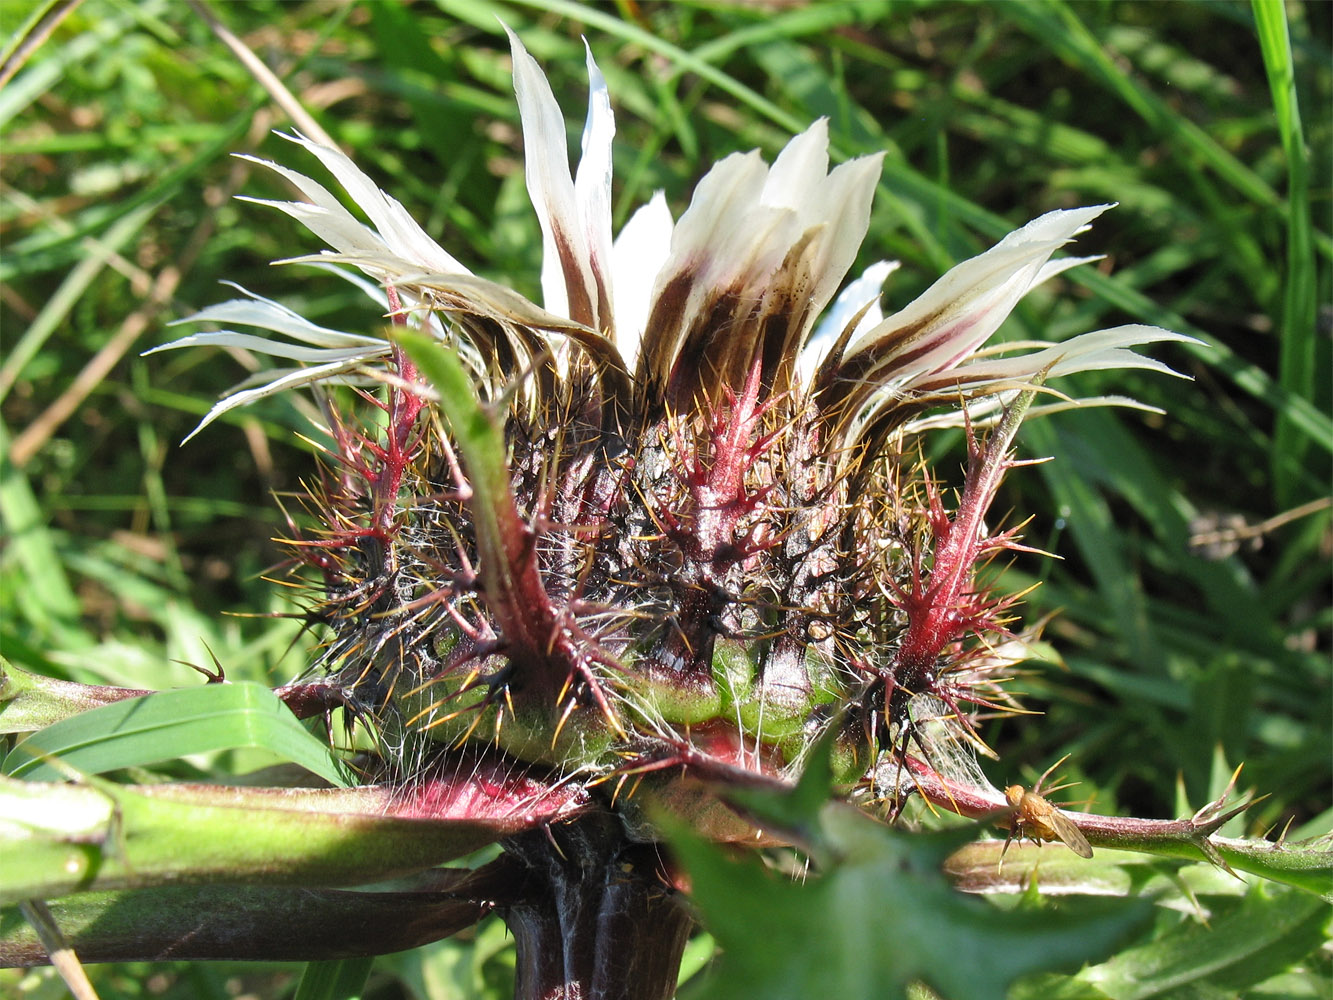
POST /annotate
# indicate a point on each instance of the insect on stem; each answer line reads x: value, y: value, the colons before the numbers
x: 1038, y: 820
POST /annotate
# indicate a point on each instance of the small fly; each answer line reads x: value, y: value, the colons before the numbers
x: 1037, y: 819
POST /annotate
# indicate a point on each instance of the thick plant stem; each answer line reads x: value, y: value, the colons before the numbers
x: 598, y: 921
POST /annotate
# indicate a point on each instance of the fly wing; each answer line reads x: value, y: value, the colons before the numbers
x: 1070, y: 835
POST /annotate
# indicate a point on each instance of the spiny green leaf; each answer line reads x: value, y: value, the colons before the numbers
x: 879, y: 918
x: 797, y: 812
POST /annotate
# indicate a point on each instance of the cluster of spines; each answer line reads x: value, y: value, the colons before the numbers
x: 729, y: 522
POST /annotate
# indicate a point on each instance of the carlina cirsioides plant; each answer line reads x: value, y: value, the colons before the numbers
x: 606, y: 556
x: 587, y: 568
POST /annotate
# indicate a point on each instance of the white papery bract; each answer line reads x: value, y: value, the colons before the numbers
x: 742, y: 277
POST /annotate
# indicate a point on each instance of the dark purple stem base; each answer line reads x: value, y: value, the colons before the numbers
x: 597, y: 921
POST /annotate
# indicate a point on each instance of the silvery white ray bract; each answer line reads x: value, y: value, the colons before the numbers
x: 682, y: 308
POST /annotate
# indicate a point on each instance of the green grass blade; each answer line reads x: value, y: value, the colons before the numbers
x: 71, y: 290
x: 46, y: 595
x: 29, y: 86
x: 1244, y: 375
x: 46, y: 250
x: 1103, y: 549
x: 1296, y: 369
x: 1272, y: 929
x: 171, y: 724
x: 1058, y: 26
x: 341, y: 980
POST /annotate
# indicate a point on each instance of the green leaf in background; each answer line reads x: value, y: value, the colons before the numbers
x: 171, y: 724
x: 1297, y: 365
x: 481, y: 968
x: 879, y: 917
x: 1272, y: 929
x: 46, y: 597
x: 341, y: 980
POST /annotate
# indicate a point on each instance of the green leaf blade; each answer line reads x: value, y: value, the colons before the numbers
x: 878, y: 918
x: 167, y: 725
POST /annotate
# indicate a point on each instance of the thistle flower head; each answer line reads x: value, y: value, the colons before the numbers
x: 672, y: 521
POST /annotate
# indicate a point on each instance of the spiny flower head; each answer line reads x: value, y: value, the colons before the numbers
x: 672, y: 522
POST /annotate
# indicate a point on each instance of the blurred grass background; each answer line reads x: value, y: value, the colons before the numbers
x: 1184, y: 654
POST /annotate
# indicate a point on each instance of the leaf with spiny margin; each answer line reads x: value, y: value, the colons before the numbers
x: 880, y: 916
